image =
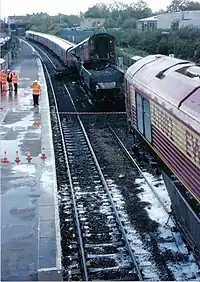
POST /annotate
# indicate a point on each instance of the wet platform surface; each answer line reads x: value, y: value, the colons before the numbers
x: 30, y: 235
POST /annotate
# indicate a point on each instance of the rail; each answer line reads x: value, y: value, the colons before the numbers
x: 139, y: 169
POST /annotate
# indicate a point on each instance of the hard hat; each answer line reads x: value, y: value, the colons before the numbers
x: 35, y: 81
x: 8, y: 70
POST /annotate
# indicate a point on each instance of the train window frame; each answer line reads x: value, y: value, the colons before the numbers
x: 145, y: 127
x: 128, y: 100
x: 139, y: 112
x: 126, y: 84
x: 147, y: 120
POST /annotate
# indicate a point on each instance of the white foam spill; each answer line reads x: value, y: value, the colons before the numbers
x: 143, y: 256
x: 174, y: 241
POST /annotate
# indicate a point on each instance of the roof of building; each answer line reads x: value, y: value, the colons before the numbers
x: 16, y: 17
x: 4, y: 40
x: 153, y: 18
x: 1, y: 61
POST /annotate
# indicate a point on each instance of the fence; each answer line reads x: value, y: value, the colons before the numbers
x: 8, y: 52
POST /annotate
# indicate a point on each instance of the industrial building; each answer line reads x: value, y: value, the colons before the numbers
x: 88, y: 23
x: 169, y: 20
x: 147, y: 24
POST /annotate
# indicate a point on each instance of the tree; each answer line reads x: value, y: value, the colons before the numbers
x: 97, y: 11
x: 129, y: 23
x: 175, y: 25
x: 119, y: 21
x: 163, y: 47
x: 177, y: 5
x: 193, y: 6
x: 183, y: 5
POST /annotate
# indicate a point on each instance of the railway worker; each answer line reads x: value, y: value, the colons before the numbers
x: 0, y: 82
x: 15, y: 81
x: 3, y: 80
x: 36, y: 90
x: 9, y: 79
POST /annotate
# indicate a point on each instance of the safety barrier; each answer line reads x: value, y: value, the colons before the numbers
x: 93, y: 113
x: 81, y: 113
x: 17, y: 159
x: 8, y: 53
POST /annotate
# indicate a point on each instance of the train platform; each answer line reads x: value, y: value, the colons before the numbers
x: 30, y: 232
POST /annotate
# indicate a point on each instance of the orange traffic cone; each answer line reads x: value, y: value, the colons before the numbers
x: 17, y: 159
x: 29, y: 157
x: 5, y: 159
x: 43, y: 154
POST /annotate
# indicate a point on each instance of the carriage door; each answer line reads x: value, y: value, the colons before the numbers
x: 147, y: 120
x: 140, y: 121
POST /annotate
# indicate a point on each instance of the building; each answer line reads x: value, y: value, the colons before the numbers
x: 147, y: 24
x: 174, y: 20
x: 88, y: 23
x: 2, y: 29
x: 179, y: 19
x: 13, y: 19
x: 193, y: 22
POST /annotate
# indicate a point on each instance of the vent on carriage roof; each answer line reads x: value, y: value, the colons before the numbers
x: 161, y: 74
x: 190, y: 71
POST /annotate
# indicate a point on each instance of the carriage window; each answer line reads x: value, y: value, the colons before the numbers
x: 140, y: 125
x: 143, y: 117
x: 147, y: 120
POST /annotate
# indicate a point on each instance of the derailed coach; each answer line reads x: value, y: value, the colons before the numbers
x: 60, y: 47
x: 95, y: 59
x: 163, y: 107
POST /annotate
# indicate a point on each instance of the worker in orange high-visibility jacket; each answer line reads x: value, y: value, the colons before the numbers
x: 3, y: 80
x: 15, y: 81
x: 0, y: 82
x: 36, y: 90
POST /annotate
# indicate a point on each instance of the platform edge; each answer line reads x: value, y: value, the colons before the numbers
x: 54, y: 273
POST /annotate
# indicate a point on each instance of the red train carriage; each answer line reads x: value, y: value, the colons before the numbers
x: 163, y: 106
x: 57, y: 45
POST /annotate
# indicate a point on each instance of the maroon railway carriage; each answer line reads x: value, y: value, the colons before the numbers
x: 163, y: 105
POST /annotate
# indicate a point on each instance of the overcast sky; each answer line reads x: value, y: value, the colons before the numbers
x: 52, y: 7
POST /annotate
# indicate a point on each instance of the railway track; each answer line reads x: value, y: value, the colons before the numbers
x: 102, y: 249
x: 104, y: 246
x: 94, y: 233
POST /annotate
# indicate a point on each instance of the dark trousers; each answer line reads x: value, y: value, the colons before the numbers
x: 10, y: 85
x: 35, y: 100
x: 15, y: 87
